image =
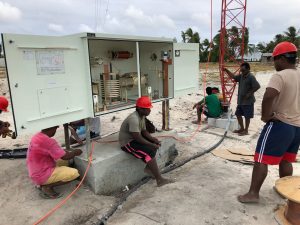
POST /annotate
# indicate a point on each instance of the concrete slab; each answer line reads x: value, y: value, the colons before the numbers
x: 222, y: 123
x: 112, y: 169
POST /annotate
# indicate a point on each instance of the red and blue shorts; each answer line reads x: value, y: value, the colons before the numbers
x: 139, y: 151
x: 278, y: 141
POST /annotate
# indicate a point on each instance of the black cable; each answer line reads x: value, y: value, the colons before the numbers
x: 167, y: 169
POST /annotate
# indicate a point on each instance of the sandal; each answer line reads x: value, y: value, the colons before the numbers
x: 50, y: 196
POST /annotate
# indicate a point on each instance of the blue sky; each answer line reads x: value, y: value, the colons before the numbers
x: 157, y: 18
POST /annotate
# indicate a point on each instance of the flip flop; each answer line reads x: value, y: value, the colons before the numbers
x: 49, y: 196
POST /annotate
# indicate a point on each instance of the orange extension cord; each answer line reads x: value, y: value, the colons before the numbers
x: 61, y: 203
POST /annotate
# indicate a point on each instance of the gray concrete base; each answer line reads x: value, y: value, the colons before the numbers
x: 222, y: 123
x: 112, y: 169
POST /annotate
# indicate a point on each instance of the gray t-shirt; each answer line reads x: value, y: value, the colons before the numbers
x: 246, y: 84
x: 133, y: 123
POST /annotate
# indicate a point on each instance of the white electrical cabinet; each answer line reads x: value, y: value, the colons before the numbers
x: 56, y: 80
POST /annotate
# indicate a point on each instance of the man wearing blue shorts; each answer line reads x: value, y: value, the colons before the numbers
x: 247, y: 86
x: 279, y: 141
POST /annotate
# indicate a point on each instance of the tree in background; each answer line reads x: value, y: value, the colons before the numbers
x: 189, y: 36
x: 290, y: 35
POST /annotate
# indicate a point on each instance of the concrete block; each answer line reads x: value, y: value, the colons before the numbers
x: 112, y: 169
x: 222, y: 123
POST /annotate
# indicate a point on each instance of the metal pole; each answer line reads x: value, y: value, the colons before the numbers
x: 138, y: 68
x: 87, y: 137
x: 165, y: 115
x: 67, y: 137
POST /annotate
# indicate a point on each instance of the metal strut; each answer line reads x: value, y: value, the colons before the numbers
x: 232, y: 37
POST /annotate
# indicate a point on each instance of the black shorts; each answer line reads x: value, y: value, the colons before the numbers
x: 245, y: 110
x: 139, y: 151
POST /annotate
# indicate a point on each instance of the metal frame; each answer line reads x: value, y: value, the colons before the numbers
x: 233, y: 14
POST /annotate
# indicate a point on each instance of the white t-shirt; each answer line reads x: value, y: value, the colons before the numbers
x: 287, y: 104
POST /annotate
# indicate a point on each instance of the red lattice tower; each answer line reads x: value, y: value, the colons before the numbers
x: 231, y: 43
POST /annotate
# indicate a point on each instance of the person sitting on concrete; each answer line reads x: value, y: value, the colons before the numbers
x: 248, y: 85
x: 4, y: 125
x: 77, y: 129
x: 43, y: 157
x: 210, y: 105
x: 137, y: 141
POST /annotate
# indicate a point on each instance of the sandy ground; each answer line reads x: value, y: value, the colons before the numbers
x: 204, y: 193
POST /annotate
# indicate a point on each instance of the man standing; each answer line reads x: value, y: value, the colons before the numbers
x: 137, y: 141
x: 279, y: 141
x: 42, y: 157
x: 245, y: 103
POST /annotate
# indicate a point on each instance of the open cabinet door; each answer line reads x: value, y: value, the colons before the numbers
x: 49, y: 80
x: 186, y: 68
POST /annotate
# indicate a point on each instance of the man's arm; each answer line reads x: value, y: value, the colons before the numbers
x: 267, y: 102
x: 199, y: 103
x: 254, y: 87
x: 4, y: 127
x: 75, y: 135
x: 71, y: 154
x: 230, y: 74
x: 140, y: 139
x: 150, y: 138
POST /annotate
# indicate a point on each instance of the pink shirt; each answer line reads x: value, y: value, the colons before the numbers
x: 42, y: 154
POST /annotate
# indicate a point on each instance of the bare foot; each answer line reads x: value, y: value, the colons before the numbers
x: 164, y: 181
x: 243, y: 133
x: 248, y: 198
x: 147, y: 171
x: 196, y: 122
x: 238, y: 131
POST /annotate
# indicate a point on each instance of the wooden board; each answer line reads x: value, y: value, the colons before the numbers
x: 279, y: 216
x: 225, y: 154
x: 289, y: 187
x: 241, y: 151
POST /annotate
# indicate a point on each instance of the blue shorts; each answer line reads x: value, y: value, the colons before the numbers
x: 278, y: 141
x: 245, y: 110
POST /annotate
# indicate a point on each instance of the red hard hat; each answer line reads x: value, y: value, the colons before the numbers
x: 144, y: 102
x: 284, y: 47
x: 3, y: 104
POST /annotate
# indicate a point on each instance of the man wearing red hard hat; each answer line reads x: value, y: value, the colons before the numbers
x: 279, y: 140
x: 137, y: 141
x: 3, y: 108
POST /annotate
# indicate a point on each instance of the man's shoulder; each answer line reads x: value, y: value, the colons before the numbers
x: 133, y: 117
x: 251, y: 75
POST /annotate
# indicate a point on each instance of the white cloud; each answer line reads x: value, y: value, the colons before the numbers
x: 201, y: 18
x: 138, y: 17
x: 258, y: 23
x: 55, y: 27
x: 85, y: 28
x: 9, y: 13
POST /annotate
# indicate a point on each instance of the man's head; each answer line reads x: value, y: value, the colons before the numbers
x: 50, y: 132
x: 143, y: 105
x: 3, y: 104
x: 208, y: 90
x: 285, y: 56
x: 215, y: 90
x: 245, y: 68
